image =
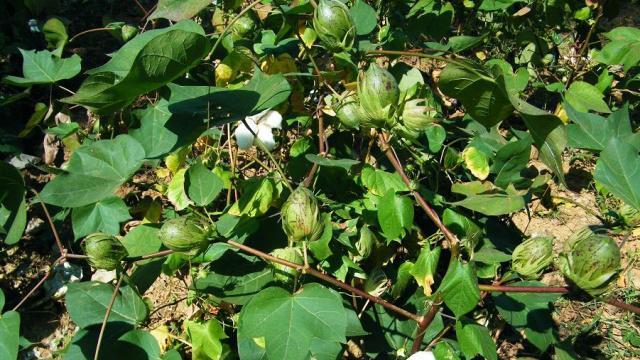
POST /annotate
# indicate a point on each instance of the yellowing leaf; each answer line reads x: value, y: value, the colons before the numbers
x: 476, y: 161
x: 175, y: 193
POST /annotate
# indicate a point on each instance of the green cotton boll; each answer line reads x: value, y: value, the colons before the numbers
x: 366, y: 243
x: 242, y: 27
x: 416, y: 115
x: 531, y: 257
x: 300, y: 214
x: 128, y: 32
x: 185, y: 235
x: 591, y: 262
x: 283, y: 273
x: 104, y: 251
x: 334, y: 25
x: 349, y: 112
x: 378, y: 93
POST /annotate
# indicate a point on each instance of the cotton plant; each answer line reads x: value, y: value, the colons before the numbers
x: 262, y: 125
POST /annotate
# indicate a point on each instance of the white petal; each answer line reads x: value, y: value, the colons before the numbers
x: 422, y: 355
x: 266, y: 136
x: 272, y: 119
x: 244, y: 137
x: 256, y: 117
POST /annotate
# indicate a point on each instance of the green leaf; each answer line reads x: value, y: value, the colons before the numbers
x: 255, y: 199
x: 13, y: 207
x: 475, y: 340
x: 379, y: 182
x: 435, y: 137
x: 176, y: 191
x: 142, y: 240
x: 476, y: 161
x: 176, y: 10
x: 483, y: 98
x: 55, y: 33
x: 9, y: 335
x: 509, y: 161
x: 43, y: 67
x: 290, y: 322
x: 494, y: 5
x: 138, y: 345
x: 465, y: 228
x: 40, y: 111
x: 143, y: 64
x: 547, y: 130
x: 364, y: 16
x: 402, y: 279
x: 205, y: 339
x: 464, y: 42
x: 584, y: 97
x: 593, y: 132
x: 202, y: 185
x: 95, y: 171
x: 618, y: 170
x: 529, y: 312
x: 87, y: 303
x: 395, y: 214
x: 235, y: 278
x: 485, y: 199
x: 459, y: 288
x: 261, y: 93
x: 102, y: 216
x: 2, y: 300
x: 323, y: 161
x: 623, y: 48
x: 273, y: 90
x: 161, y: 132
x: 64, y: 130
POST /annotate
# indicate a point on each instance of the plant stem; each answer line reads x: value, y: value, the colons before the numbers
x: 321, y: 144
x: 89, y: 31
x: 551, y: 289
x: 61, y: 248
x: 263, y: 147
x: 390, y: 153
x: 424, y: 324
x: 236, y: 18
x: 106, y: 315
x: 150, y: 256
x: 39, y: 284
x: 524, y: 289
x: 313, y: 272
x: 585, y: 45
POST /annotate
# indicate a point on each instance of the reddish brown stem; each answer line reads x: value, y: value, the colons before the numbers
x: 625, y: 306
x: 424, y: 324
x: 40, y: 283
x: 107, y: 313
x: 526, y: 289
x: 150, y: 256
x: 321, y: 145
x: 53, y: 228
x: 388, y: 151
x: 551, y: 289
x: 329, y: 279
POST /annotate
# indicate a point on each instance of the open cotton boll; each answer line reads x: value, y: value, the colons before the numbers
x: 262, y: 124
x: 422, y: 355
x: 265, y: 135
x: 244, y: 137
x: 270, y: 118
